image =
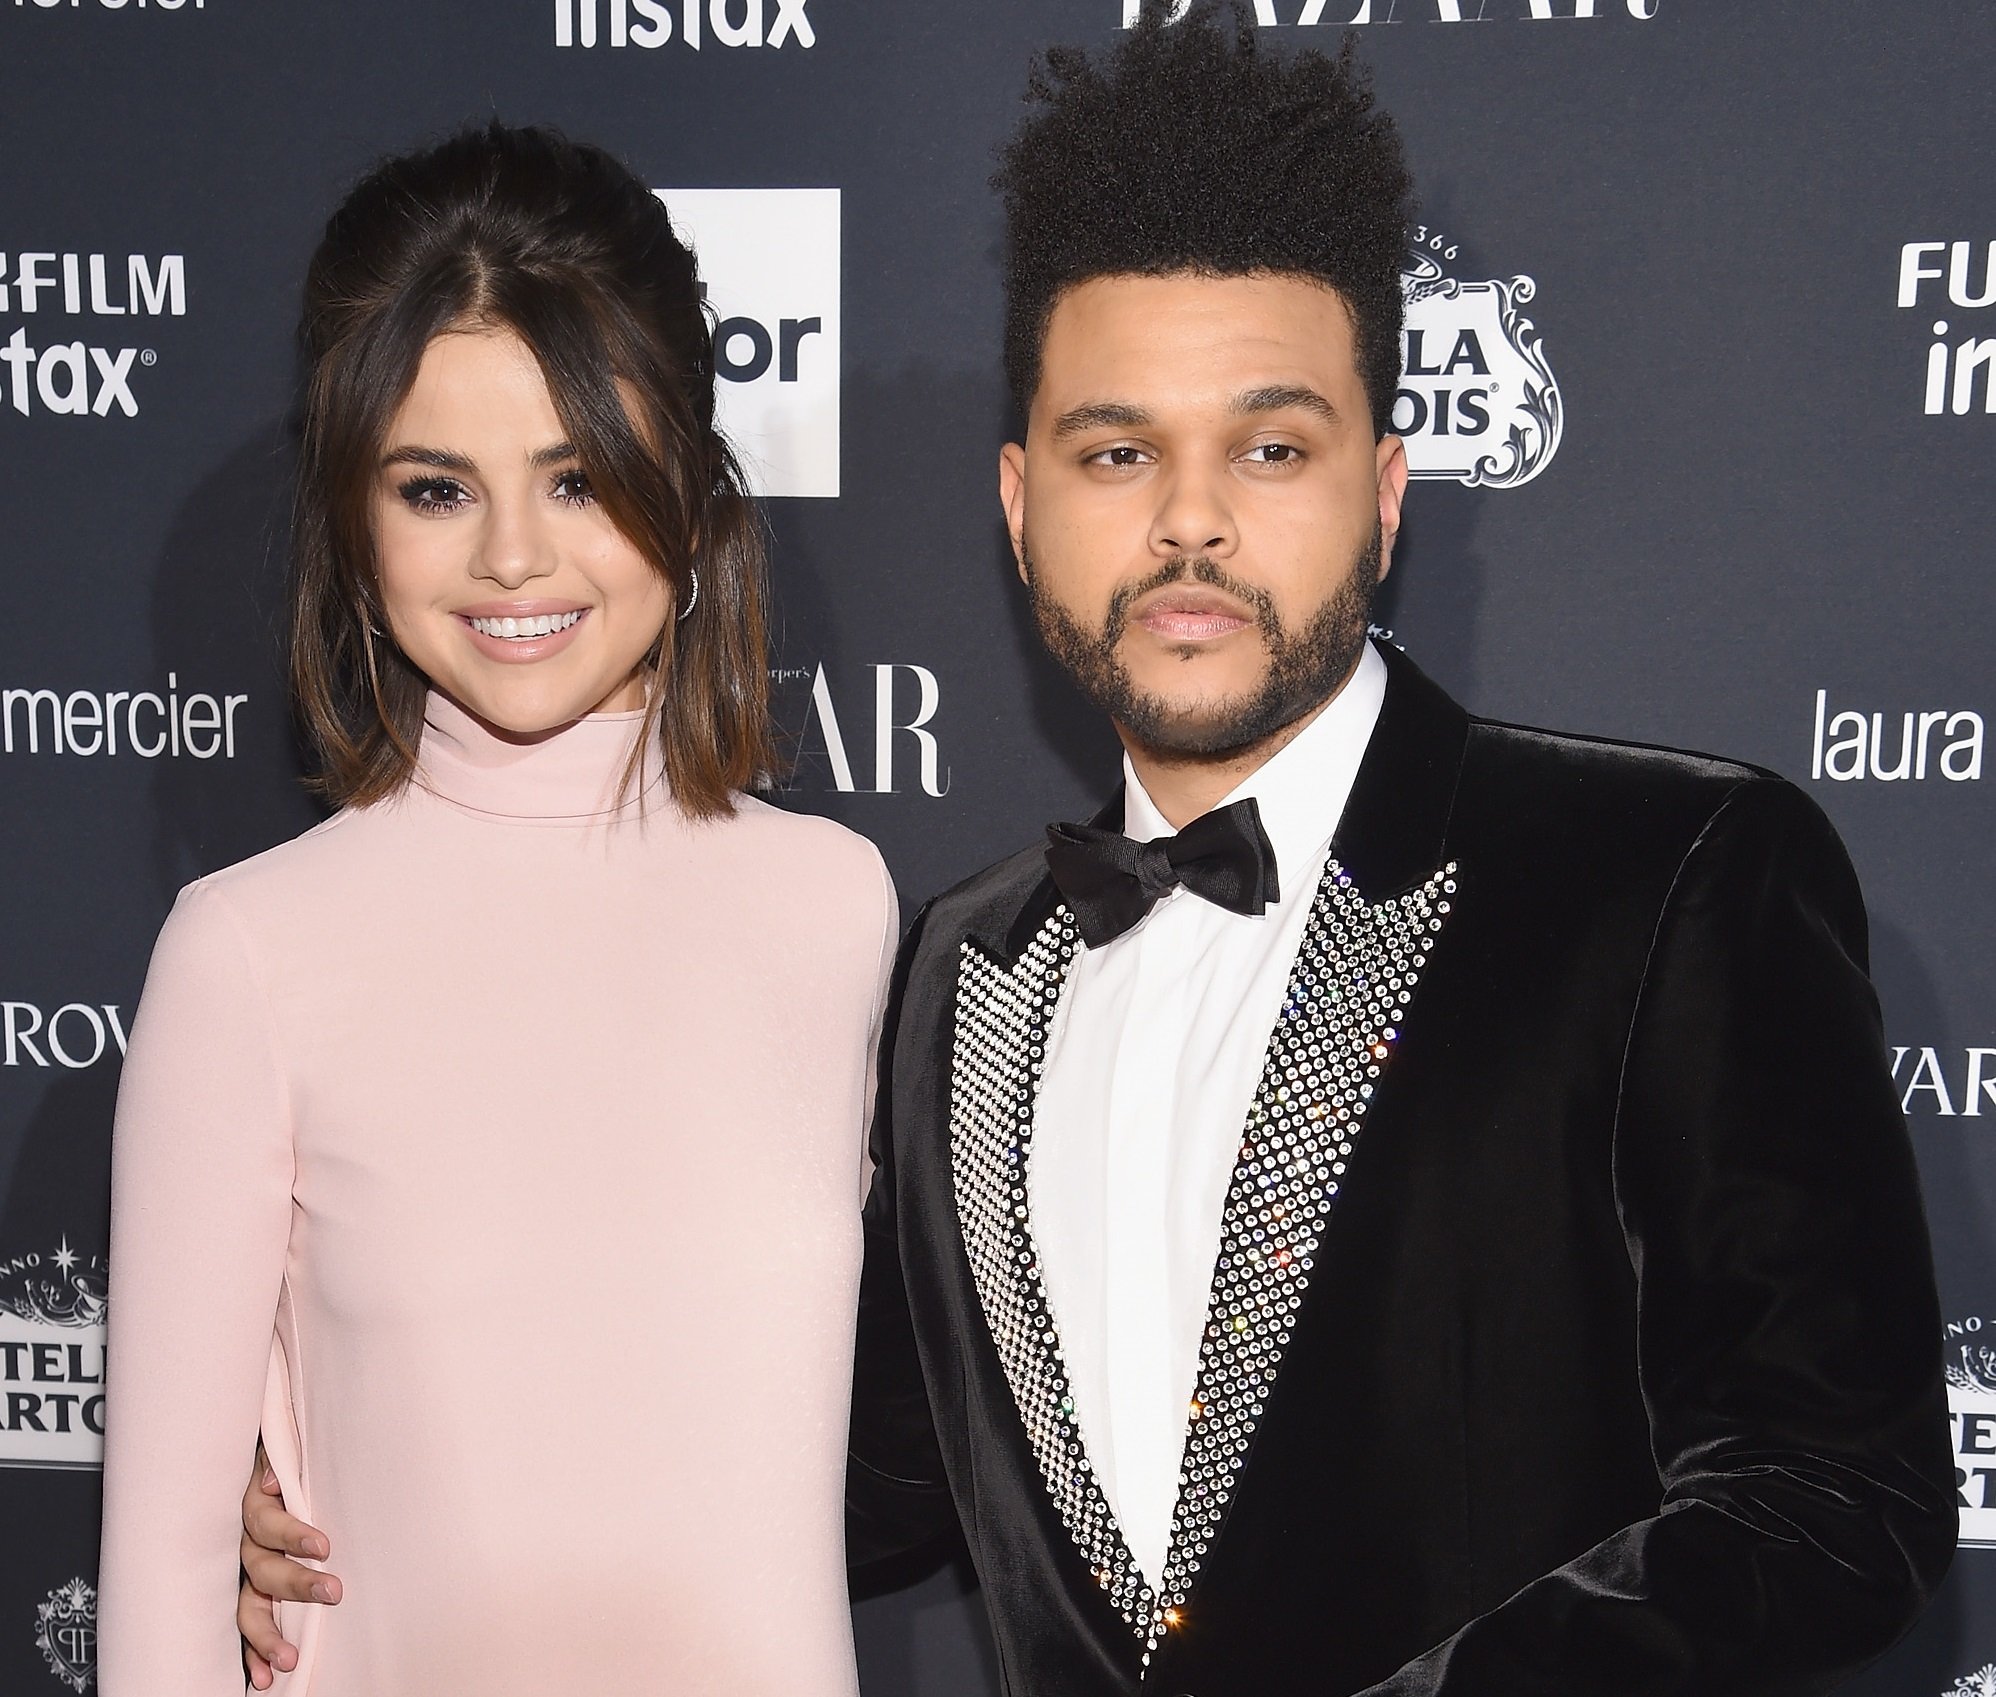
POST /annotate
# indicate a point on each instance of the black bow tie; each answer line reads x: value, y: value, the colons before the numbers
x: 1110, y: 882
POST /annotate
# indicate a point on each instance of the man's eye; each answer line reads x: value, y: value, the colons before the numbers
x: 1274, y: 453
x: 434, y: 494
x: 1119, y: 456
x: 573, y: 488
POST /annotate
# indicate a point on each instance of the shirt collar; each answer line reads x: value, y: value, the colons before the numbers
x: 1302, y: 790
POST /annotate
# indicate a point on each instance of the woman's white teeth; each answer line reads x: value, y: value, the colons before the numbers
x: 520, y: 629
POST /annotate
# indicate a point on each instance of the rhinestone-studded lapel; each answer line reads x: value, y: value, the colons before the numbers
x: 1002, y: 1015
x: 1344, y: 1008
x: 1346, y: 1004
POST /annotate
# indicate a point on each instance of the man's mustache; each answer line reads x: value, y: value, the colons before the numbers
x: 1181, y: 568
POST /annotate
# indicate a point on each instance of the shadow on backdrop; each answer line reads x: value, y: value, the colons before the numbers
x: 218, y: 621
x: 56, y: 1180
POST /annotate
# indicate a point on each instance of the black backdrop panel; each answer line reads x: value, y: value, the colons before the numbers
x: 1728, y: 268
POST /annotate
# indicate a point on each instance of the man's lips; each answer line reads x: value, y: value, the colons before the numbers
x: 1191, y: 615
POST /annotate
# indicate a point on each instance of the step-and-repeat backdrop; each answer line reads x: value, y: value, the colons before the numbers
x: 1700, y: 397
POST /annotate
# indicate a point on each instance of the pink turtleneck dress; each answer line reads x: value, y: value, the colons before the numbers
x: 497, y: 1151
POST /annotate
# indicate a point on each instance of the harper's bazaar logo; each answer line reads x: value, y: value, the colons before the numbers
x: 52, y: 1359
x: 905, y: 700
x: 1343, y: 14
x: 1971, y: 1393
x: 1945, y: 1087
x: 66, y: 1633
x: 1478, y: 403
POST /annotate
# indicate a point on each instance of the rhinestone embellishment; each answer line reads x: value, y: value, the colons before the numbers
x: 1341, y: 1018
x: 1001, y: 1028
x: 1342, y: 1013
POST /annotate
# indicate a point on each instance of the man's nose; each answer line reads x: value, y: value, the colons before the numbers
x: 1194, y: 516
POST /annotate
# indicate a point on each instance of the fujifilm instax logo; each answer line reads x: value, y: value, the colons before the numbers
x: 1941, y: 277
x: 769, y: 261
x: 42, y: 372
x: 692, y: 23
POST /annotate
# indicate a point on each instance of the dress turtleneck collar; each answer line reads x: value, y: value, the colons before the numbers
x: 575, y: 775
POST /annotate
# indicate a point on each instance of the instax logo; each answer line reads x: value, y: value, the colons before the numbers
x: 770, y: 261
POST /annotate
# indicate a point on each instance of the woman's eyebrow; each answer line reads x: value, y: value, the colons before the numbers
x: 438, y: 459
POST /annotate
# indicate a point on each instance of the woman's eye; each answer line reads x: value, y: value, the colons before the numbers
x: 573, y: 488
x: 435, y: 494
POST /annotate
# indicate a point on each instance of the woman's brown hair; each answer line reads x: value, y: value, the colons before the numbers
x: 560, y: 243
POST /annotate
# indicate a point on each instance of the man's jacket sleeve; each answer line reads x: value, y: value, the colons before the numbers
x: 1789, y: 1331
x: 896, y: 1495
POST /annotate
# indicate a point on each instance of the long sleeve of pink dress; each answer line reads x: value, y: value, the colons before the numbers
x: 496, y: 1152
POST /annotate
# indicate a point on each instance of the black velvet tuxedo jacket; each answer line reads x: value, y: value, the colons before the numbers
x: 1573, y: 1330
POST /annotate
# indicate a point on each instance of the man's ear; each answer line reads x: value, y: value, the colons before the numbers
x: 1390, y: 463
x: 1012, y: 497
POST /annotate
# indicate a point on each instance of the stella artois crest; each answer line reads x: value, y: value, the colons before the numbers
x: 1478, y: 403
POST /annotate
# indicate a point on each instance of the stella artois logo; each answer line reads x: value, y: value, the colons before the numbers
x: 66, y: 1633
x: 1981, y: 1683
x: 1478, y: 403
x: 1970, y: 1345
x: 52, y: 1358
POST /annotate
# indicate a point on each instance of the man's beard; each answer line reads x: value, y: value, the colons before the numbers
x: 1305, y: 667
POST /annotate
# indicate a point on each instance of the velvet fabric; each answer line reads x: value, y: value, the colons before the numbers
x: 1620, y: 1374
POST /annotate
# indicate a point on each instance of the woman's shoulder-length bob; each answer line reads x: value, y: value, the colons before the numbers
x: 558, y: 242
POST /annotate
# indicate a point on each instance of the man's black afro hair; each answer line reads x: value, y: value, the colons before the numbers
x: 1188, y: 148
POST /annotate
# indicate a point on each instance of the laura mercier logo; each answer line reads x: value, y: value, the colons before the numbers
x: 1477, y: 404
x: 148, y: 723
x: 116, y: 5
x: 66, y: 1633
x: 52, y: 1359
x: 1970, y: 1346
x: 1890, y: 748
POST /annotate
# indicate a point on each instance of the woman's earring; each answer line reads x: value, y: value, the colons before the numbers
x: 692, y: 600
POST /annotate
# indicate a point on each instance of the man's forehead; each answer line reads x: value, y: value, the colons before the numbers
x: 1188, y: 319
x: 1264, y: 295
x: 1187, y: 340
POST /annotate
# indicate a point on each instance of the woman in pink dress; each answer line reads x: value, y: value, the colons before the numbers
x: 506, y: 1128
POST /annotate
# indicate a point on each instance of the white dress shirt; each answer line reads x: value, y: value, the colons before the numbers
x: 1152, y: 1062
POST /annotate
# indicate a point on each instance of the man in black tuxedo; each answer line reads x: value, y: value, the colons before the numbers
x: 1398, y: 1204
x: 1545, y: 1306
